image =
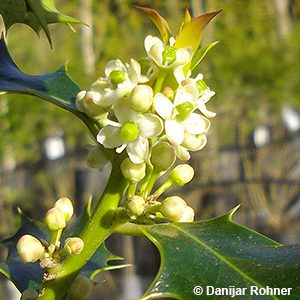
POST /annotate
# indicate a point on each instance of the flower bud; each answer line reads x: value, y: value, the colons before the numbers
x: 29, y: 248
x: 173, y: 208
x: 55, y: 219
x: 194, y: 142
x: 96, y: 158
x: 188, y: 215
x: 141, y: 98
x: 85, y: 102
x: 81, y: 288
x: 135, y: 206
x: 168, y: 92
x: 163, y: 156
x: 74, y: 245
x: 133, y: 172
x: 29, y: 294
x: 66, y: 206
x: 182, y: 174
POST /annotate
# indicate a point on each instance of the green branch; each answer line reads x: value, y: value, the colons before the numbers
x: 93, y: 235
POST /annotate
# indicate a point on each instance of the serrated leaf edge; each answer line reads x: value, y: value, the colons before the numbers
x: 227, y: 216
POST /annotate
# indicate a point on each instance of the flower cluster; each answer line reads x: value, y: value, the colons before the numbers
x: 135, y: 115
x: 156, y: 111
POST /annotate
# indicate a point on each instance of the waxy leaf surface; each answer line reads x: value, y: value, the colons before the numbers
x: 220, y: 253
x: 57, y: 87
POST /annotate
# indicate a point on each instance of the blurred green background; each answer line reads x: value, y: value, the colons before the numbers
x: 252, y: 157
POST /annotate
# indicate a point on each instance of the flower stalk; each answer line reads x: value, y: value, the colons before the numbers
x: 96, y: 231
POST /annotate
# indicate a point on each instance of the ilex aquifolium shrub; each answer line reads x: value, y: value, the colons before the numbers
x: 145, y: 116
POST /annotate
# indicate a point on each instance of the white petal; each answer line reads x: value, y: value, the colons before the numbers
x: 174, y: 131
x: 150, y: 125
x: 156, y: 53
x: 108, y: 136
x: 124, y: 113
x: 150, y: 41
x: 206, y: 95
x: 179, y: 74
x: 134, y: 72
x: 188, y: 93
x: 138, y: 150
x: 182, y: 153
x: 125, y: 88
x: 183, y: 56
x: 196, y: 124
x: 194, y: 142
x: 114, y: 64
x: 109, y: 98
x: 163, y: 106
x: 207, y: 113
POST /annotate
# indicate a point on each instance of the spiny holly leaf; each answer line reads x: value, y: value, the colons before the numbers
x: 23, y: 275
x: 220, y: 253
x: 35, y: 13
x: 191, y: 33
x: 56, y: 87
x: 99, y: 260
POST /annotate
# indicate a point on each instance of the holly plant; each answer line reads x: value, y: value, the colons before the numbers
x: 146, y: 118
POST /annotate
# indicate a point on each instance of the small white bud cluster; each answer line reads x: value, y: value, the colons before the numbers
x: 30, y: 249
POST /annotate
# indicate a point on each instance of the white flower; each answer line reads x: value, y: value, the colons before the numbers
x: 197, y: 92
x: 185, y: 129
x: 119, y: 82
x: 168, y: 57
x: 131, y: 132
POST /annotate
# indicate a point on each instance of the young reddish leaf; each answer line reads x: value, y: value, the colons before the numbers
x: 161, y: 24
x: 191, y: 34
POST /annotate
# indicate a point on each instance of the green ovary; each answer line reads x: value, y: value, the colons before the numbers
x: 169, y: 55
x: 116, y: 77
x: 184, y: 110
x: 129, y: 132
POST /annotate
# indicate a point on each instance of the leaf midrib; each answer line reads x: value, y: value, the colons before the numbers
x: 222, y: 258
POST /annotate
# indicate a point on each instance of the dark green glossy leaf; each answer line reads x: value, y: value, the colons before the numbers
x: 57, y: 87
x: 35, y: 13
x: 99, y: 260
x: 199, y: 55
x: 220, y: 253
x: 23, y: 275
